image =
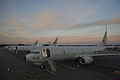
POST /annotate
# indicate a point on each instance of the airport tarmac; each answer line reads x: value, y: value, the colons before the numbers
x: 103, y: 68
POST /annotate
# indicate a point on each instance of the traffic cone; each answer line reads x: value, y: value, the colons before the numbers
x: 8, y: 69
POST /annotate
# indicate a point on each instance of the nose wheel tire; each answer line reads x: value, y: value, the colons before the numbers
x: 42, y: 66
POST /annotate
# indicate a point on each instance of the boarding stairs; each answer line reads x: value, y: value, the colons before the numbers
x: 51, y: 63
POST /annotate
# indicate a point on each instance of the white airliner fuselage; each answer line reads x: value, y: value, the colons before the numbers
x: 61, y: 53
x: 23, y: 48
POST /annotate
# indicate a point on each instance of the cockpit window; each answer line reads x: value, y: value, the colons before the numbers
x: 35, y: 52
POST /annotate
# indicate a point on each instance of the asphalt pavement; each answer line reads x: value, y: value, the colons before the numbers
x: 14, y: 67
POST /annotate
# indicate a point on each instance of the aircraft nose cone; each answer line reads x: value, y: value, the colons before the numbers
x: 25, y: 58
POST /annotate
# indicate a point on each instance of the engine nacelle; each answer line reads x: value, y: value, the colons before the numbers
x: 86, y: 60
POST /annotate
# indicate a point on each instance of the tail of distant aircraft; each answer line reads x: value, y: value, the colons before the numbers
x: 36, y: 43
x: 55, y: 42
x: 104, y: 40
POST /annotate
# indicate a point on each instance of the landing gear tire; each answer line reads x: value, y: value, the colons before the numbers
x: 77, y: 63
x: 42, y: 66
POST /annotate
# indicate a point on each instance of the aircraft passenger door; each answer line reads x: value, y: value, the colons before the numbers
x: 46, y: 53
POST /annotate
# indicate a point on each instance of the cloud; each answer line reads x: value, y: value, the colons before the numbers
x: 114, y: 38
x: 44, y: 21
x: 3, y: 34
x: 32, y: 26
x: 16, y: 27
x: 13, y: 22
x: 96, y: 23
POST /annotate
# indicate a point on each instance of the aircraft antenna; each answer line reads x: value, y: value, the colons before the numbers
x: 106, y: 25
x: 106, y: 32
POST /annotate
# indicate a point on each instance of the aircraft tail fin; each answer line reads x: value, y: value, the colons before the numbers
x: 36, y: 43
x: 104, y: 40
x: 55, y: 42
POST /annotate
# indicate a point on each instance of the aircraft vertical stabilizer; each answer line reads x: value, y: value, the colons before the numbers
x: 55, y: 42
x: 104, y: 40
x: 36, y: 43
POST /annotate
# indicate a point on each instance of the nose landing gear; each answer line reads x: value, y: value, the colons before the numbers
x: 42, y: 66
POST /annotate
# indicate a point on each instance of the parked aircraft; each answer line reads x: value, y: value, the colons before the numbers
x: 82, y: 54
x: 21, y: 47
x: 54, y: 43
x: 32, y: 47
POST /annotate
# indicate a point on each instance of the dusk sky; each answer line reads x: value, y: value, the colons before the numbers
x: 72, y: 21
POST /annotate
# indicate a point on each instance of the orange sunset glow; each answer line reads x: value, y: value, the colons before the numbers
x: 73, y: 22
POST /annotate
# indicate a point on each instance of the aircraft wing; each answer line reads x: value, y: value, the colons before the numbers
x: 100, y: 54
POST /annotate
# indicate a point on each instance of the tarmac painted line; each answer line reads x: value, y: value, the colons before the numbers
x: 50, y: 71
x: 19, y: 70
x: 31, y: 77
x: 68, y: 67
x: 117, y: 72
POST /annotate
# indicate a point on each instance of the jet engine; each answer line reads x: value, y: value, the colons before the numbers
x: 86, y: 60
